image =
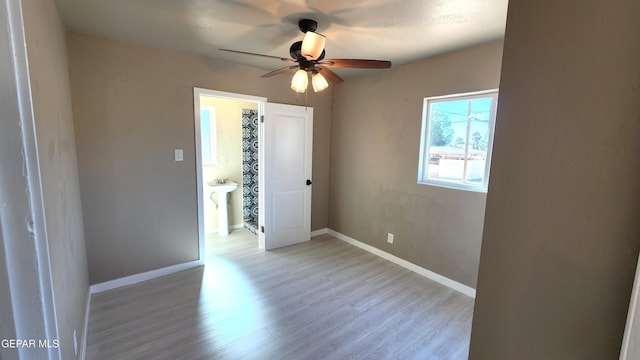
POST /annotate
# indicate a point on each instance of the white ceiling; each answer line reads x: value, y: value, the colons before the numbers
x: 398, y: 30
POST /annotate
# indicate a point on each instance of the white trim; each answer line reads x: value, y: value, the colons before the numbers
x: 630, y: 332
x: 27, y: 299
x: 199, y: 184
x: 460, y: 95
x: 85, y: 330
x: 319, y: 232
x: 228, y: 95
x: 140, y: 277
x: 454, y: 185
x: 232, y: 227
x: 197, y: 92
x: 467, y: 290
x: 261, y: 178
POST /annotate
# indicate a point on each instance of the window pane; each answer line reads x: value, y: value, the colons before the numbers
x: 205, y: 134
x: 459, y: 133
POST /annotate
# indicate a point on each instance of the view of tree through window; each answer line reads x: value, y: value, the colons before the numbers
x: 458, y: 129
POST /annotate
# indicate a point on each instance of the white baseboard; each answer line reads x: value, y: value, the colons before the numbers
x: 136, y: 278
x: 85, y: 330
x: 319, y: 232
x: 231, y: 227
x: 467, y: 290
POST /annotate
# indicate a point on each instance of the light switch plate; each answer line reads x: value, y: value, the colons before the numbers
x: 179, y: 155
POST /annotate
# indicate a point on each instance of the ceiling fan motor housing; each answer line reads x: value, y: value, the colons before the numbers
x: 313, y: 65
x: 307, y: 25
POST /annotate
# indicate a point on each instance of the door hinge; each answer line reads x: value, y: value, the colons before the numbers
x: 262, y: 229
x: 261, y: 118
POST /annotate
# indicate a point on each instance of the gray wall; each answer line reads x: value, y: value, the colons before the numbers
x: 133, y: 105
x: 561, y: 234
x: 51, y: 99
x: 375, y: 143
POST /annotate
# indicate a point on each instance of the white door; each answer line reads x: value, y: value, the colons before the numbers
x: 285, y: 184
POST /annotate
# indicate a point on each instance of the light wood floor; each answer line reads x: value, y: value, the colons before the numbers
x: 323, y: 299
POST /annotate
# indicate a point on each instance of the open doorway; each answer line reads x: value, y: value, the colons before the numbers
x: 284, y: 152
x: 227, y: 154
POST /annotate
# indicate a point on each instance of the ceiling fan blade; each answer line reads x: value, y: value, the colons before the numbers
x: 356, y: 64
x: 280, y: 71
x: 261, y: 55
x: 329, y: 75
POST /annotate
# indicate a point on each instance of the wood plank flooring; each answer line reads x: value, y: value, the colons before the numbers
x: 323, y: 299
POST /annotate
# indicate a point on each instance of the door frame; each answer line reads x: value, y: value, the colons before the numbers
x: 197, y: 92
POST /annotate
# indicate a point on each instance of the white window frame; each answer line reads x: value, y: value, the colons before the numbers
x: 425, y: 140
x: 213, y: 141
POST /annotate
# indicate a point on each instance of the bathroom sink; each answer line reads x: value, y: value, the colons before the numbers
x: 222, y: 188
x: 223, y: 212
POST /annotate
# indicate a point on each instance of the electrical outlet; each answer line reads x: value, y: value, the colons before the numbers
x: 178, y: 155
x: 75, y: 343
x: 390, y: 238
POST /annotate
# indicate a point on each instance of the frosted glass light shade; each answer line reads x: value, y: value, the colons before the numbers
x: 312, y: 45
x: 300, y: 81
x: 319, y: 82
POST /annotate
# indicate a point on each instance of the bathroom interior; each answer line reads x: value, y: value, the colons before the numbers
x: 229, y: 138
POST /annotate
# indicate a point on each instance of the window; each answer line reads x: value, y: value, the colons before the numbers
x: 457, y: 137
x: 208, y: 135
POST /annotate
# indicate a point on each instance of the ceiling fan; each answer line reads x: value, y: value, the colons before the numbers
x: 308, y: 55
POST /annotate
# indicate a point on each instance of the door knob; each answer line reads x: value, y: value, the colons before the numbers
x: 309, y: 182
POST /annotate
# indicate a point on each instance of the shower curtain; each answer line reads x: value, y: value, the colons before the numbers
x: 250, y: 169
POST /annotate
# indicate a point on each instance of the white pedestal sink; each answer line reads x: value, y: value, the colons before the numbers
x: 223, y: 212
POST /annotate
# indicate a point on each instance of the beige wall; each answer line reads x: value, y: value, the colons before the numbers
x: 561, y: 234
x: 229, y: 141
x: 375, y: 141
x: 51, y: 100
x: 133, y: 106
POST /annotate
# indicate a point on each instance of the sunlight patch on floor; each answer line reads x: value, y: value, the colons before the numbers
x: 228, y: 300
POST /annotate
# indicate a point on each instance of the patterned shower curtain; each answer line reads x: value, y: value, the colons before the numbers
x: 250, y: 169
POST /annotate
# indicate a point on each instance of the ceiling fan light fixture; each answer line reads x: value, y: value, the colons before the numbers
x: 308, y: 59
x: 300, y: 81
x: 312, y: 45
x: 319, y: 82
